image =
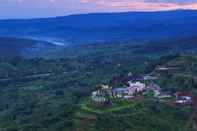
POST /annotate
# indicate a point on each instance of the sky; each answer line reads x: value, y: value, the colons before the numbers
x: 50, y: 8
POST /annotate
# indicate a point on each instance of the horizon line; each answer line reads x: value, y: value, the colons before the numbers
x: 91, y: 13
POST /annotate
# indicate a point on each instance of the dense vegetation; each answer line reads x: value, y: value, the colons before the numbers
x: 183, y: 77
x: 145, y: 116
x: 41, y: 94
x: 44, y: 94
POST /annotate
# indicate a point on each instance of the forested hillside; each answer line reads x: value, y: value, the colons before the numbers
x: 105, y: 27
x: 184, y: 75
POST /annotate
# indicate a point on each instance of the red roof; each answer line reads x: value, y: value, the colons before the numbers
x: 185, y: 93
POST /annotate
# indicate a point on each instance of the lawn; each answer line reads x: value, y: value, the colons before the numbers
x: 117, y: 105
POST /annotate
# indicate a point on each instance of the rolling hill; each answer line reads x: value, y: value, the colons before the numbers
x: 90, y: 28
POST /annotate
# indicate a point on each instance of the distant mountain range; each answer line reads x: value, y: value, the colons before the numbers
x: 139, y: 32
x: 102, y: 27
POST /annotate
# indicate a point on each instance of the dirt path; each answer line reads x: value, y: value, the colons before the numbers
x: 27, y: 77
x: 44, y: 75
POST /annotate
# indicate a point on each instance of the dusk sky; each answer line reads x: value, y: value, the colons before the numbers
x: 50, y: 8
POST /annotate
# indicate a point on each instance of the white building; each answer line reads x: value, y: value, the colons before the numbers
x: 101, y: 94
x: 135, y: 87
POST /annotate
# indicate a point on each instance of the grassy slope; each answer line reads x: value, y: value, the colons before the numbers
x: 118, y: 105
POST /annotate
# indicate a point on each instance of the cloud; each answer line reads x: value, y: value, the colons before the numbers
x: 145, y: 5
x: 173, y: 1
